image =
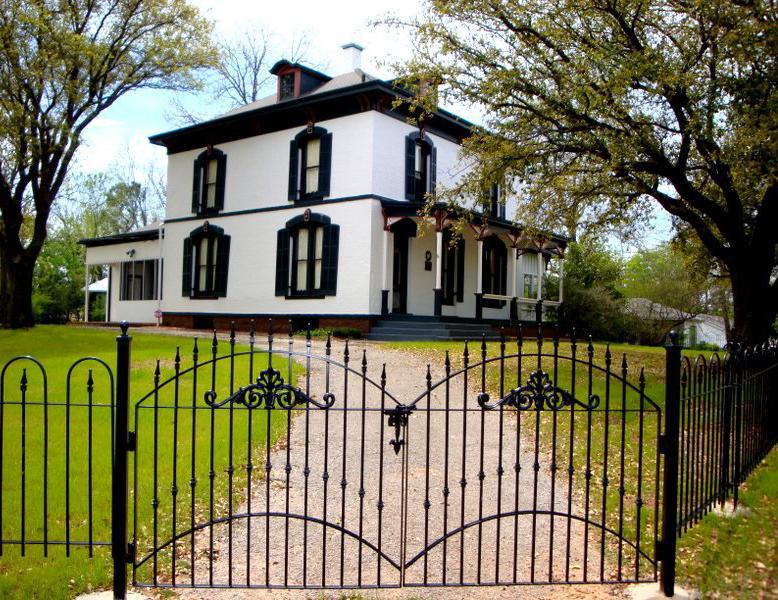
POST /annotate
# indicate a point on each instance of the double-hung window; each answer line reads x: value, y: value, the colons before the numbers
x: 206, y: 263
x: 307, y: 257
x: 310, y: 158
x: 420, y: 167
x: 496, y: 203
x: 209, y: 172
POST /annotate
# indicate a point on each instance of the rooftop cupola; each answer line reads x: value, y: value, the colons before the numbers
x: 295, y: 80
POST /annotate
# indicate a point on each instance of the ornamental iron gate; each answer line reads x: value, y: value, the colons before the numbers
x: 267, y: 464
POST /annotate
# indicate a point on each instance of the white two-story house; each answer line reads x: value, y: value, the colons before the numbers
x: 305, y: 205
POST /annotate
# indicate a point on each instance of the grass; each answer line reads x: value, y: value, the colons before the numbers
x: 57, y: 348
x: 737, y: 556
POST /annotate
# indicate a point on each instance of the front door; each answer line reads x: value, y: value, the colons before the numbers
x: 400, y: 274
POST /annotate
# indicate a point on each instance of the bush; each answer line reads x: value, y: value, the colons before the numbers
x: 337, y: 332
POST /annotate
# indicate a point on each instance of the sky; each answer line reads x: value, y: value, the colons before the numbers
x: 124, y: 128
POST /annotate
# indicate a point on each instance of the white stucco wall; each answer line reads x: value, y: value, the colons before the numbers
x: 252, y: 263
x: 116, y: 253
x: 133, y: 311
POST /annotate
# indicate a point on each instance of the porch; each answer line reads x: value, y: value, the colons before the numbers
x: 485, y: 272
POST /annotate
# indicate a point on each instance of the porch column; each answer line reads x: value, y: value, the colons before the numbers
x: 438, y: 291
x: 479, y: 290
x: 86, y: 293
x: 561, y: 279
x: 385, y: 273
x: 514, y: 316
x: 539, y: 307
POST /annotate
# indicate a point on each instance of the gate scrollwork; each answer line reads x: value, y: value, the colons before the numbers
x: 539, y: 394
x: 269, y: 391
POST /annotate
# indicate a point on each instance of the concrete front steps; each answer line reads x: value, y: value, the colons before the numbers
x: 401, y: 328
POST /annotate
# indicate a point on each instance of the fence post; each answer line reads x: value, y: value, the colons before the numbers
x: 119, y: 481
x: 670, y: 483
x: 726, y: 445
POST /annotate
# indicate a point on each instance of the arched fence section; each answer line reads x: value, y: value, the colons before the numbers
x: 256, y: 461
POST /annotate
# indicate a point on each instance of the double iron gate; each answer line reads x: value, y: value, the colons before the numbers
x: 271, y: 465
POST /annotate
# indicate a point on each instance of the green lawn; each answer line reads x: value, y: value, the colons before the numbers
x: 57, y: 348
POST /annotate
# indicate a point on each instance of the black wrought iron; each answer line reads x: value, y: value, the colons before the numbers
x: 269, y: 392
x: 557, y: 480
x: 538, y: 394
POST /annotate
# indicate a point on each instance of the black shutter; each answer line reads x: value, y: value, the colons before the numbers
x: 433, y: 169
x: 325, y: 163
x: 329, y: 274
x: 294, y: 179
x: 282, y: 263
x: 221, y: 176
x: 186, y: 269
x: 196, y: 186
x: 222, y: 265
x: 461, y: 271
x: 410, y: 168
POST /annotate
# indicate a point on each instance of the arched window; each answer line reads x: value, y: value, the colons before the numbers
x: 495, y: 271
x: 310, y: 157
x: 210, y: 170
x: 420, y: 166
x: 206, y: 263
x: 307, y: 257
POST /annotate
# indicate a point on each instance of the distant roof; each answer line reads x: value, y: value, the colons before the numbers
x: 148, y: 232
x: 643, y: 308
x: 101, y: 285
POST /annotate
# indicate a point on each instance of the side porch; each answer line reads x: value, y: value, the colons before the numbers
x: 490, y: 272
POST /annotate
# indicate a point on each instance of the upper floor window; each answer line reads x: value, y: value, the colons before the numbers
x: 420, y: 166
x: 307, y: 257
x: 210, y: 169
x: 494, y: 271
x: 206, y: 263
x: 310, y: 157
x: 496, y: 203
x: 139, y: 280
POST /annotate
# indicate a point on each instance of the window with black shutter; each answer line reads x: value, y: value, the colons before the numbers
x: 307, y: 257
x: 209, y: 173
x: 206, y: 263
x: 453, y: 269
x: 310, y: 160
x: 494, y: 270
x: 420, y: 166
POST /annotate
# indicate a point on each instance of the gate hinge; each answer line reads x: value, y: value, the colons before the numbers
x: 132, y: 443
x: 662, y: 444
x: 130, y: 553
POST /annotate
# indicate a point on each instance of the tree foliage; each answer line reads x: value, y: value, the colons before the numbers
x: 61, y: 65
x: 602, y: 108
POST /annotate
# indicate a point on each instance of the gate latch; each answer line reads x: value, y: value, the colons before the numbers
x: 398, y: 418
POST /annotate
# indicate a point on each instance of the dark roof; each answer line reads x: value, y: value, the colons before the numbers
x: 328, y: 101
x: 285, y: 63
x: 140, y: 235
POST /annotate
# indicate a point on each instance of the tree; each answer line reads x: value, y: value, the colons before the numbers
x: 241, y: 74
x: 61, y: 65
x: 621, y: 104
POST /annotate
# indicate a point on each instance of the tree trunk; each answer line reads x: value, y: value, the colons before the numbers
x: 753, y: 302
x: 16, y: 291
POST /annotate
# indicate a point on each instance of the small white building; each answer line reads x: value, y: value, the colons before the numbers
x: 305, y: 204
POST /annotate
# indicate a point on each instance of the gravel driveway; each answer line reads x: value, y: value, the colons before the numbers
x: 452, y: 460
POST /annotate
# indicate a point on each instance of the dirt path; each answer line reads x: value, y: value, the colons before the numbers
x: 460, y: 466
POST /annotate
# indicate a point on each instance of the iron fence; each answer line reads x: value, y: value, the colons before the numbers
x: 272, y: 465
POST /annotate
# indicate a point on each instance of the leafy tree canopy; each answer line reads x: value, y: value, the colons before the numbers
x: 601, y: 108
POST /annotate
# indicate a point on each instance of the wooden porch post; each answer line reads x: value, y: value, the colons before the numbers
x: 514, y: 311
x: 438, y: 291
x: 86, y: 293
x: 479, y: 294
